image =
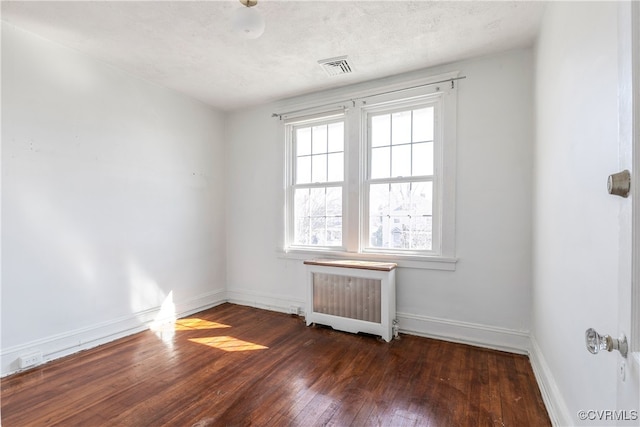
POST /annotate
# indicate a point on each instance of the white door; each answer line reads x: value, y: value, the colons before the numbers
x: 628, y: 383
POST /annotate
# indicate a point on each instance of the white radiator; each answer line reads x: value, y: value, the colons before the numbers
x: 352, y: 296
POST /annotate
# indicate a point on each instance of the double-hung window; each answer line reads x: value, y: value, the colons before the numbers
x: 317, y: 182
x: 374, y: 177
x: 399, y: 187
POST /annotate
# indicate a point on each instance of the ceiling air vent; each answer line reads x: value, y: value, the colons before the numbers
x: 335, y: 66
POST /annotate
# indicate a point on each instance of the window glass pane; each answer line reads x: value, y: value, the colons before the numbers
x: 303, y: 170
x: 318, y: 217
x: 319, y: 168
x: 401, y: 160
x: 303, y: 141
x: 380, y: 162
x: 302, y: 227
x: 398, y: 210
x: 422, y: 159
x: 401, y: 128
x: 378, y: 213
x: 334, y: 231
x: 379, y: 199
x: 377, y: 225
x: 301, y: 202
x: 301, y: 215
x: 399, y: 199
x: 336, y: 137
x: 319, y: 139
x: 421, y: 233
x: 423, y: 124
x: 400, y: 236
x: 335, y: 167
x: 422, y: 198
x: 318, y: 235
x: 380, y: 130
x: 317, y: 202
x: 334, y: 201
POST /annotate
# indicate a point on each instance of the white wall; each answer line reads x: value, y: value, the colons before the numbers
x: 576, y: 226
x: 112, y: 196
x: 487, y: 299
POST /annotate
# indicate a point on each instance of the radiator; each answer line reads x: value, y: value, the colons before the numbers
x: 352, y: 296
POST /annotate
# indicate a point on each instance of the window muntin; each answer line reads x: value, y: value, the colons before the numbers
x: 318, y: 180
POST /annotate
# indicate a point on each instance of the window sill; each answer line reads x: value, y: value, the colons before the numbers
x: 403, y: 261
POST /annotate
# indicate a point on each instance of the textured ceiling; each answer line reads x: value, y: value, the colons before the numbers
x: 189, y: 47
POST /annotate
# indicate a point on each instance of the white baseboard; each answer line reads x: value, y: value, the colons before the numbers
x: 60, y: 345
x: 496, y: 338
x: 553, y: 400
x: 265, y: 301
x: 448, y: 330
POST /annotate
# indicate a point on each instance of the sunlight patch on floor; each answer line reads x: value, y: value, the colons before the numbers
x: 197, y: 324
x: 228, y: 343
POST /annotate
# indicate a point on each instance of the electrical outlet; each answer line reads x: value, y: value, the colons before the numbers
x: 30, y: 359
x: 294, y: 309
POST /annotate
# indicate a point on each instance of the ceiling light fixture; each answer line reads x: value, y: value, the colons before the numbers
x: 248, y: 22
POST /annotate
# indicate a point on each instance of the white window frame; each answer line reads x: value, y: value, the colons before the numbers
x: 355, y: 205
x: 434, y: 100
x: 290, y: 128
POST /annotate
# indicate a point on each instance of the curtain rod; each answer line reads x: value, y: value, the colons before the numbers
x: 452, y: 80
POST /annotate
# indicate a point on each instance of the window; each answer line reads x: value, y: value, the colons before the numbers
x: 400, y: 175
x: 317, y: 182
x: 375, y: 179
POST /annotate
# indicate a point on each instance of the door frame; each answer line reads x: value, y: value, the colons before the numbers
x: 634, y: 333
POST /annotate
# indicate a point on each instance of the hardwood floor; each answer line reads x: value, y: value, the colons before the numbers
x: 236, y: 366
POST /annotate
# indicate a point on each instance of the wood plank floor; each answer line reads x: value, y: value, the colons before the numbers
x: 237, y: 366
